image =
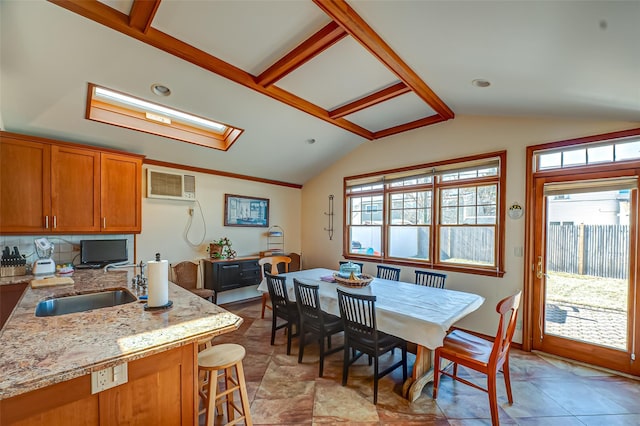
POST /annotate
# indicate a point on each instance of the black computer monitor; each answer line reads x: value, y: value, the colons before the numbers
x: 103, y: 252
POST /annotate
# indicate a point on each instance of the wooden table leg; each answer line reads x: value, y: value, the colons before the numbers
x: 421, y: 375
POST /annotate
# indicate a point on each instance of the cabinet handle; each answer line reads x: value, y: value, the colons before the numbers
x: 46, y: 222
x: 55, y: 222
x: 104, y: 222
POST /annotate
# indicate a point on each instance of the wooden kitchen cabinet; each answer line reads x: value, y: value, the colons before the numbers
x: 50, y: 187
x: 161, y: 390
x: 25, y: 185
x: 121, y: 197
x: 75, y: 190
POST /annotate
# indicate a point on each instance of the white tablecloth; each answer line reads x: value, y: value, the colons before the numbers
x: 416, y: 313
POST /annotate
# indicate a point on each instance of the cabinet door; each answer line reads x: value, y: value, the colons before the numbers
x: 229, y: 276
x: 75, y: 189
x: 161, y: 390
x: 25, y: 182
x: 120, y: 200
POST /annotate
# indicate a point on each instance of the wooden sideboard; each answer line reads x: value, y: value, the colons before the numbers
x: 228, y: 274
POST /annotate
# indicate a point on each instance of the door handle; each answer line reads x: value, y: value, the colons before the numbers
x: 539, y: 270
x: 539, y: 273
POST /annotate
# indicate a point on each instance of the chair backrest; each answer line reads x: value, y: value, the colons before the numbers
x: 185, y: 274
x: 388, y: 273
x: 296, y: 262
x: 430, y: 279
x: 277, y: 286
x: 308, y: 302
x: 272, y: 262
x: 508, y: 310
x: 358, y: 315
x: 361, y: 265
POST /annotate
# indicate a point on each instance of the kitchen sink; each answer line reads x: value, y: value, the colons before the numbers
x: 83, y: 302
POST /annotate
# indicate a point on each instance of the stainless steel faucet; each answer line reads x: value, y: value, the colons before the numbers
x: 139, y: 281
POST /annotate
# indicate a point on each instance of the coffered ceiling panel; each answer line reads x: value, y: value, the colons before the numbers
x: 338, y: 75
x: 250, y: 41
x: 394, y: 112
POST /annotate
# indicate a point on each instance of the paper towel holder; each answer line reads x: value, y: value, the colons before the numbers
x: 167, y: 305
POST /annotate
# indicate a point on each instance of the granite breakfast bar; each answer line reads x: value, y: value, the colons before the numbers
x: 46, y: 362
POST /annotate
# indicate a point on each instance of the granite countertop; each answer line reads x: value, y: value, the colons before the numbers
x: 40, y: 351
x: 16, y: 279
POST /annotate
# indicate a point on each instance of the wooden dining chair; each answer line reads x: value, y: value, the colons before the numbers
x: 481, y: 355
x: 274, y: 265
x: 430, y: 279
x: 314, y: 321
x: 282, y: 308
x: 388, y: 273
x: 185, y: 274
x: 296, y: 262
x: 361, y: 336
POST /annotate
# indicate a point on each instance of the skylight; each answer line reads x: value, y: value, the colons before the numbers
x: 117, y: 108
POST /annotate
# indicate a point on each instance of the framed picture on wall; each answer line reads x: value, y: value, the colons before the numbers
x: 246, y: 211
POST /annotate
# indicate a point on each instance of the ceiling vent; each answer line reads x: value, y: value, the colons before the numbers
x: 171, y: 186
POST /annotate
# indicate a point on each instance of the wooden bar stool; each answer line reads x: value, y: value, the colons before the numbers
x: 218, y: 361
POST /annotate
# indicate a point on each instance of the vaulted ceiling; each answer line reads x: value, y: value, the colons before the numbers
x: 289, y: 72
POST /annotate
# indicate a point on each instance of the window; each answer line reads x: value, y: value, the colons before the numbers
x: 116, y: 108
x: 622, y: 149
x: 443, y: 216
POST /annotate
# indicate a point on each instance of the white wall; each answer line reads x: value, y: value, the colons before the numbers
x: 164, y: 222
x: 462, y: 136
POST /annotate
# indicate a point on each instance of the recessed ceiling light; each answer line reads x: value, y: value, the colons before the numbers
x: 160, y: 89
x: 479, y: 82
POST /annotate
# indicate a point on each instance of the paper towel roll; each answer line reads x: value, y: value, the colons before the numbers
x: 158, y: 273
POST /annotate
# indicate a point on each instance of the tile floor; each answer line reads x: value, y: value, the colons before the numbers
x: 546, y: 391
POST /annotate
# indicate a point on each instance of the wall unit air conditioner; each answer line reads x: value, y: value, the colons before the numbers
x: 171, y: 186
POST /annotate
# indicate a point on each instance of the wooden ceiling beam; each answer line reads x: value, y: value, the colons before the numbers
x: 427, y: 121
x: 343, y: 14
x: 116, y: 20
x: 307, y: 50
x: 142, y: 13
x: 370, y: 100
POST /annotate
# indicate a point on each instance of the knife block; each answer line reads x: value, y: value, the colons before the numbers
x: 13, y: 271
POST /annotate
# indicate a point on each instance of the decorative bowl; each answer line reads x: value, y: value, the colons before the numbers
x: 363, y: 280
x: 346, y: 269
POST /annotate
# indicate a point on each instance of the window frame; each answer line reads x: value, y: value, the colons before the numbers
x: 384, y: 181
x: 117, y: 113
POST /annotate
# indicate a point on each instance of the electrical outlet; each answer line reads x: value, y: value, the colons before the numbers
x: 190, y: 211
x: 109, y: 377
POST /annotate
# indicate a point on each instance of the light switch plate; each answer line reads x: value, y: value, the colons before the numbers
x: 109, y: 377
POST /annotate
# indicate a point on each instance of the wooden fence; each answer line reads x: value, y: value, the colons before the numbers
x: 597, y: 250
x: 468, y: 244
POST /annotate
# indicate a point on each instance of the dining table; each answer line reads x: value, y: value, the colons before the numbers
x: 416, y: 313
